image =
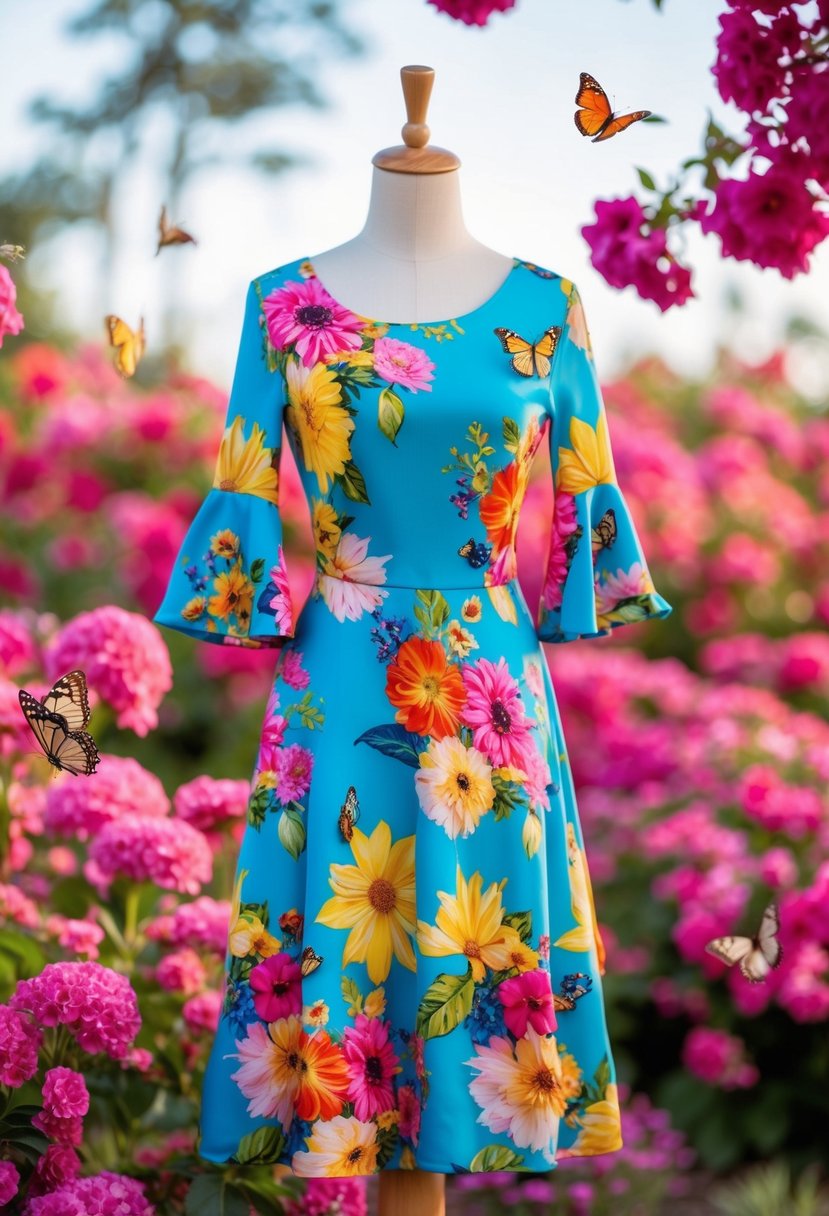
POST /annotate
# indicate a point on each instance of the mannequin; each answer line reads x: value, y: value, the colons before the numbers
x: 413, y: 261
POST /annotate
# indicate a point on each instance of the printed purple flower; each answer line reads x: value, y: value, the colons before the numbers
x: 307, y: 317
x: 276, y: 984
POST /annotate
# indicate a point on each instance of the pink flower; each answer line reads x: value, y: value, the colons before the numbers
x: 472, y: 12
x: 294, y: 764
x: 272, y: 735
x: 769, y: 219
x: 403, y: 364
x: 807, y: 121
x: 125, y: 660
x: 17, y: 646
x: 324, y: 1196
x: 307, y: 317
x: 276, y: 598
x: 371, y: 1065
x: 276, y: 984
x: 624, y: 584
x: 528, y: 1001
x: 538, y: 776
x: 121, y: 786
x: 65, y: 1093
x: 202, y: 1012
x: 20, y: 1041
x: 59, y: 1164
x: 79, y: 936
x: 628, y: 256
x: 201, y: 922
x: 207, y: 803
x: 718, y: 1059
x: 182, y: 971
x: 16, y: 906
x: 9, y: 1181
x: 167, y: 852
x: 748, y: 70
x: 11, y: 321
x: 408, y: 1105
x: 66, y: 1130
x: 104, y: 1194
x: 98, y: 1005
x: 565, y: 524
x: 292, y: 671
x: 495, y: 712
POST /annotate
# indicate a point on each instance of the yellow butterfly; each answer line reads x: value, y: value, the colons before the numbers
x: 756, y: 955
x: 129, y: 343
x: 171, y: 234
x: 530, y: 358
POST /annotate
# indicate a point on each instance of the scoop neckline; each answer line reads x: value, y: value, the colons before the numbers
x: 459, y: 317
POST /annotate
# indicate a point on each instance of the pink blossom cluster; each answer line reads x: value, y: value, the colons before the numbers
x: 74, y: 934
x: 96, y: 1004
x: 167, y: 852
x: 199, y: 922
x: 104, y: 1194
x: 325, y: 1196
x: 121, y: 787
x: 65, y: 1102
x: 125, y: 660
x: 182, y: 971
x: 20, y: 1041
x: 718, y: 1058
x: 202, y: 1011
x: 11, y: 320
x: 209, y: 804
x: 787, y: 665
x: 628, y: 251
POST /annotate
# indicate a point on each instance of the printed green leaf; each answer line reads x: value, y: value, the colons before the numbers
x: 435, y: 605
x: 602, y: 1075
x: 522, y: 922
x: 291, y: 832
x: 351, y: 995
x: 390, y: 413
x: 257, y: 569
x: 354, y: 484
x: 258, y: 807
x: 512, y: 435
x: 445, y: 1004
x: 495, y: 1157
x: 395, y: 741
x: 260, y: 1147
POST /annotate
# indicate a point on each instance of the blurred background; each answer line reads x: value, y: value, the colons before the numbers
x: 700, y: 745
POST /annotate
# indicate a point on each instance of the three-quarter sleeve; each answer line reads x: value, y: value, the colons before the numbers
x: 596, y: 576
x: 229, y: 582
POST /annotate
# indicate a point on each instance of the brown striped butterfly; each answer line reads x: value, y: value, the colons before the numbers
x: 604, y: 534
x: 309, y: 961
x: 349, y: 814
x: 171, y: 234
x: 59, y: 721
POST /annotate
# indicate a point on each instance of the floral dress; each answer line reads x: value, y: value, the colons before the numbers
x: 413, y: 968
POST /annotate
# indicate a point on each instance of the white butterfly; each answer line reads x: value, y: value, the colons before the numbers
x: 756, y: 955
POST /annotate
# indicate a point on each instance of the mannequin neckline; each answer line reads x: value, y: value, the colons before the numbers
x: 308, y: 263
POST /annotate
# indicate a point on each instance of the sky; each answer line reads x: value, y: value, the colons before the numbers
x: 502, y: 100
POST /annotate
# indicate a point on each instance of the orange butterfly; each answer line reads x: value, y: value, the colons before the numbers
x: 594, y: 116
x: 129, y: 343
x: 171, y: 234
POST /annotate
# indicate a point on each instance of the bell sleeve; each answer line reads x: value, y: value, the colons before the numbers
x: 596, y: 576
x: 229, y: 583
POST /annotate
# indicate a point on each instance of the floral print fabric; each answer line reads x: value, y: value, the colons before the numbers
x: 413, y: 971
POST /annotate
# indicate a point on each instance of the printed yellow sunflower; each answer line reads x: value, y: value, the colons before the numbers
x: 234, y: 594
x: 375, y: 899
x: 587, y: 462
x: 321, y: 424
x: 327, y: 531
x: 600, y: 1126
x: 338, y: 1148
x: 225, y: 543
x: 246, y: 466
x: 471, y: 923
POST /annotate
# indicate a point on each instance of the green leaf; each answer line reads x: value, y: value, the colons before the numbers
x: 602, y: 1075
x: 263, y: 1145
x: 512, y: 434
x: 351, y: 994
x: 211, y: 1195
x: 291, y: 832
x: 495, y: 1157
x: 257, y: 569
x: 435, y: 605
x: 23, y: 948
x: 646, y: 179
x: 390, y: 413
x: 258, y: 806
x: 395, y: 741
x: 445, y: 1004
x: 522, y: 923
x: 353, y: 483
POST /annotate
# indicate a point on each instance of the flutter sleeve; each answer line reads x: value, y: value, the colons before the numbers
x: 596, y: 576
x: 229, y: 583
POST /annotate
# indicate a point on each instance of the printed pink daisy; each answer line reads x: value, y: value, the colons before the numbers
x: 403, y: 364
x: 624, y: 584
x: 565, y: 524
x: 293, y: 768
x: 495, y: 712
x: 273, y: 733
x: 276, y: 984
x: 277, y: 596
x: 292, y: 671
x: 409, y: 1122
x: 371, y: 1066
x: 305, y: 316
x: 528, y: 1001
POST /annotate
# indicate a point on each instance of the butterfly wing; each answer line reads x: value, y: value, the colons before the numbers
x: 46, y: 726
x: 594, y: 108
x: 767, y: 936
x: 69, y: 698
x: 310, y: 961
x: 520, y: 349
x: 128, y: 343
x: 72, y: 750
x: 620, y: 122
x: 604, y: 534
x: 544, y: 350
x: 730, y: 950
x: 76, y: 753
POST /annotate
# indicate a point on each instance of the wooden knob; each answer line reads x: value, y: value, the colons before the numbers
x: 412, y: 156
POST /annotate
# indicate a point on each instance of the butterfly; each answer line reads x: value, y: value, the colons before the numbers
x: 572, y: 988
x: 309, y: 961
x: 349, y: 814
x: 530, y: 358
x: 58, y: 723
x: 12, y: 253
x: 170, y: 234
x: 129, y: 344
x: 594, y: 116
x: 756, y: 955
x: 604, y: 534
x: 477, y: 554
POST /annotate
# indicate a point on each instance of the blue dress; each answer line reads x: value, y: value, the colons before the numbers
x: 413, y: 969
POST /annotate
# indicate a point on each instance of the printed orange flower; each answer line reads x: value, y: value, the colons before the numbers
x: 234, y: 593
x: 426, y: 690
x: 499, y: 508
x: 323, y: 1078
